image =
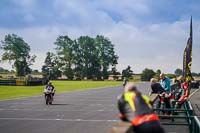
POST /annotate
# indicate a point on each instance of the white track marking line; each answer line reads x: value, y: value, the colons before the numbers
x: 54, y: 110
x: 193, y: 93
x: 71, y: 120
x: 14, y: 105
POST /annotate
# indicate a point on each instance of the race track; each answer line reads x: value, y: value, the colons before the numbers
x: 90, y: 111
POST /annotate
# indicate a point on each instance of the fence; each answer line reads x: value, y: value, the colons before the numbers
x: 185, y: 117
x: 11, y: 82
x: 22, y: 81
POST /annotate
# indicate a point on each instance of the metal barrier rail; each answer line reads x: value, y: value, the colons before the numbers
x: 191, y: 120
x: 195, y: 125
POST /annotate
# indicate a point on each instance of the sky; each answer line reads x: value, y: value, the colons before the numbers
x: 146, y: 33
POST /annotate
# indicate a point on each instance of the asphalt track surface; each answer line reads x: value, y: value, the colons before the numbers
x: 89, y: 111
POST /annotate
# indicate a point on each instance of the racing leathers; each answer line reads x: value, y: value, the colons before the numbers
x: 137, y: 109
x: 49, y: 89
x: 185, y: 87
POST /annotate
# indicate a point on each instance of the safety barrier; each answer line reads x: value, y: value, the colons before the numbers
x: 187, y: 117
x: 35, y: 82
x: 195, y: 125
x: 11, y: 82
x: 22, y: 82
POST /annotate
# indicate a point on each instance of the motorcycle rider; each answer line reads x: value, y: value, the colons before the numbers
x: 50, y: 89
x: 136, y: 108
x: 124, y: 81
x: 185, y: 87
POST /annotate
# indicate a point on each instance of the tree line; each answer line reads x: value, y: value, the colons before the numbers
x: 84, y: 57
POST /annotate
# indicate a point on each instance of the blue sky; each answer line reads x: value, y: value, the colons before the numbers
x: 146, y: 33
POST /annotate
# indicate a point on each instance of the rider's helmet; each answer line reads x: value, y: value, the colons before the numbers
x: 49, y: 83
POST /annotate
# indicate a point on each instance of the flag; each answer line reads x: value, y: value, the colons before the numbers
x: 187, y: 57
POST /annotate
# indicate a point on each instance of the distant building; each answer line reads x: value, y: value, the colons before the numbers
x: 63, y: 77
x: 115, y: 77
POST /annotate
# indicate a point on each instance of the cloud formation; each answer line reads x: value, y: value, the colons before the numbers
x: 143, y: 38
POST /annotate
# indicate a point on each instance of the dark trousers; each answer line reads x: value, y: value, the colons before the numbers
x: 149, y: 127
x: 167, y: 105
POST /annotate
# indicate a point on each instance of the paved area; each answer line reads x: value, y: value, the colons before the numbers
x: 90, y: 111
x: 195, y: 101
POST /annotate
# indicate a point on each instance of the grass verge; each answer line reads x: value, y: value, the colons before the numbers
x: 9, y: 92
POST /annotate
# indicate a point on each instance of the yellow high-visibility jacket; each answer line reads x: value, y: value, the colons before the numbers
x: 131, y: 105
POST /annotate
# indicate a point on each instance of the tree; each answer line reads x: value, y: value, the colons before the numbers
x: 127, y: 73
x: 78, y: 61
x: 147, y: 74
x: 91, y: 66
x: 17, y: 50
x: 178, y: 72
x: 51, y: 69
x: 2, y: 70
x: 85, y: 57
x: 106, y: 54
x: 171, y: 76
x: 35, y: 71
x: 66, y: 54
x: 114, y: 72
x: 12, y: 71
x: 89, y: 55
x: 157, y: 75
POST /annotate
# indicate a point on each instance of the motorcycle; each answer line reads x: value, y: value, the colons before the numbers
x: 48, y: 96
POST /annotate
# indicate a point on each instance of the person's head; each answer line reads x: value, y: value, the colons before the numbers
x: 153, y: 81
x: 49, y: 83
x: 130, y: 87
x: 162, y: 76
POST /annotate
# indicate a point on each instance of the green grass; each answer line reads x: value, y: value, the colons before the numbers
x: 9, y: 92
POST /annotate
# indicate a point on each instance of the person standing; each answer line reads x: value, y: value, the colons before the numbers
x: 167, y: 95
x: 165, y: 82
x: 185, y: 87
x: 156, y: 87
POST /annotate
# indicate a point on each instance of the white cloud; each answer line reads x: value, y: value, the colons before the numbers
x: 155, y: 46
